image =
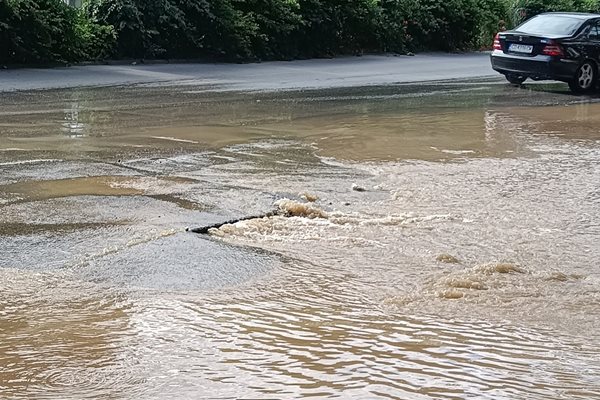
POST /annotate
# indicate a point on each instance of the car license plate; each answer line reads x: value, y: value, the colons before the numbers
x: 520, y: 48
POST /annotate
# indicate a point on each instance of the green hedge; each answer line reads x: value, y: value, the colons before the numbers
x: 42, y: 31
x: 47, y: 31
x: 523, y: 9
x: 285, y: 29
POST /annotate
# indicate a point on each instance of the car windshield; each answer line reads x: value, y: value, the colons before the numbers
x: 551, y: 25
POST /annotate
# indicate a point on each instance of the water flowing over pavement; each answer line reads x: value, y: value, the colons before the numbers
x: 432, y: 241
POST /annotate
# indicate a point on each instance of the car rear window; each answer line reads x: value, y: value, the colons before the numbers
x: 551, y: 25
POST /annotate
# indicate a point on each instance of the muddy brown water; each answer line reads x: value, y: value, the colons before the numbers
x: 441, y: 242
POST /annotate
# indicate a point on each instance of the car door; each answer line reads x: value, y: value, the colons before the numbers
x: 592, y: 45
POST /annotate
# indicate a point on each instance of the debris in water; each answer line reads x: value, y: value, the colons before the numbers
x: 505, y: 268
x: 502, y: 268
x: 558, y: 276
x: 447, y: 258
x: 309, y: 197
x: 291, y: 208
x: 562, y: 277
x: 357, y: 188
x: 466, y: 283
x: 205, y: 229
x: 452, y: 294
x: 285, y: 208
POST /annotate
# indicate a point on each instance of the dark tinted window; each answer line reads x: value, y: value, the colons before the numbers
x: 594, y: 33
x: 551, y: 25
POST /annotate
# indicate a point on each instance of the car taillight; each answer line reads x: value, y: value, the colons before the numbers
x: 553, y: 50
x: 497, y: 45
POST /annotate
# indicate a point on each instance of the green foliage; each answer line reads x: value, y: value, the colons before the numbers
x: 524, y: 9
x: 152, y: 28
x: 400, y: 27
x: 459, y: 24
x: 48, y: 31
x: 492, y: 14
x: 99, y: 40
x: 450, y: 24
x: 270, y: 27
x: 235, y: 29
x: 7, y: 39
x: 234, y: 34
x: 333, y: 26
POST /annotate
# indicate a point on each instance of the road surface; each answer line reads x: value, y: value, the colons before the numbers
x: 279, y: 75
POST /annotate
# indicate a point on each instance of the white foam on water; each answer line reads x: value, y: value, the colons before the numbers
x: 36, y: 161
x: 174, y: 139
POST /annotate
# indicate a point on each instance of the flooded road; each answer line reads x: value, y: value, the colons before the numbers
x: 434, y: 241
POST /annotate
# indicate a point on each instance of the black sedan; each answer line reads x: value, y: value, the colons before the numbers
x: 557, y: 46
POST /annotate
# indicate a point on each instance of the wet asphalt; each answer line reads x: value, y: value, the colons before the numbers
x: 268, y: 76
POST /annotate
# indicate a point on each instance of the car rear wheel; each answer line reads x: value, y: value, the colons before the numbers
x: 585, y: 78
x: 515, y: 79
